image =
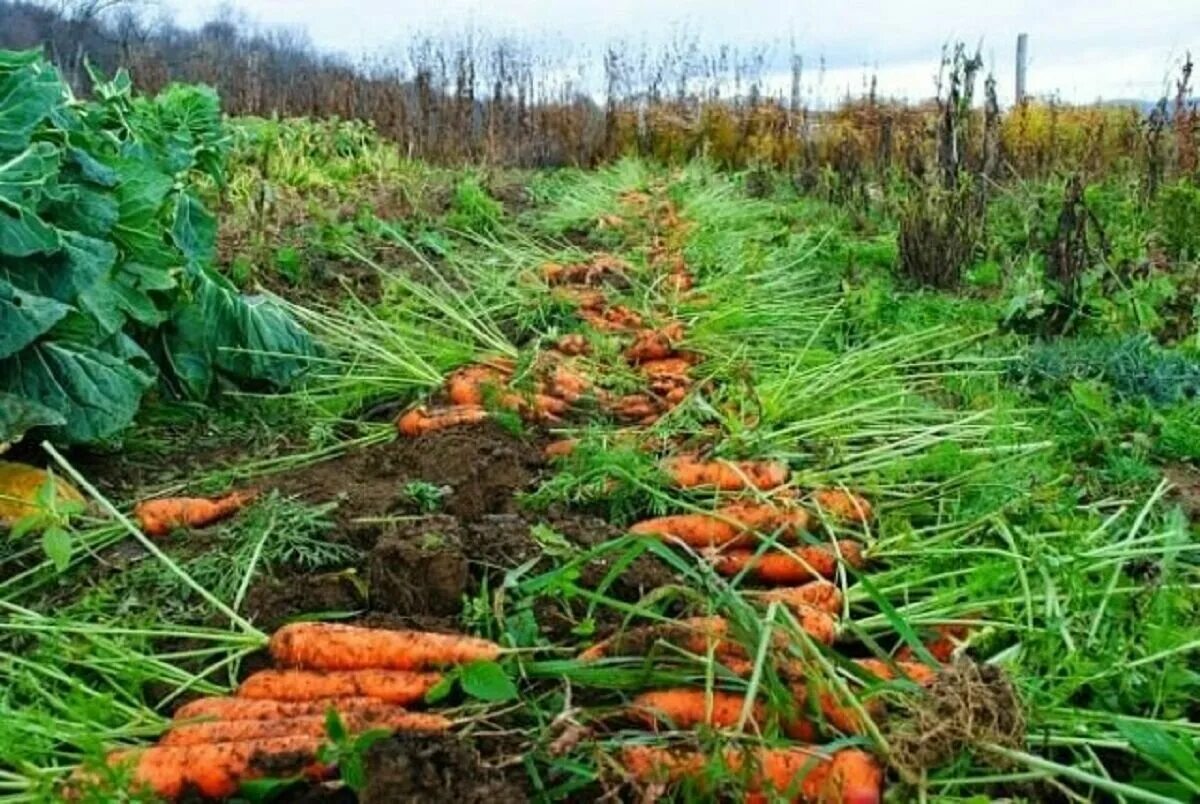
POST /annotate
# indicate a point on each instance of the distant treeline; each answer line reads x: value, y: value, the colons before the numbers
x: 509, y: 103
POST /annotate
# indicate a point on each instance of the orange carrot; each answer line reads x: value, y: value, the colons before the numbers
x: 419, y: 420
x: 573, y: 344
x: 391, y: 686
x: 617, y: 318
x: 584, y: 299
x: 218, y: 770
x: 732, y: 524
x: 693, y: 634
x: 634, y: 407
x: 332, y: 646
x: 687, y: 708
x: 848, y: 776
x: 804, y: 563
x: 942, y: 646
x: 160, y: 517
x: 237, y: 731
x: 818, y: 594
x: 568, y: 384
x: 666, y: 367
x: 468, y: 385
x: 689, y: 472
x: 226, y: 708
x: 655, y: 344
x: 913, y: 671
x: 560, y: 449
x: 698, y: 634
x: 843, y: 505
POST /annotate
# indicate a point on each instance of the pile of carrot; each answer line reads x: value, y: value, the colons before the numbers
x: 275, y: 723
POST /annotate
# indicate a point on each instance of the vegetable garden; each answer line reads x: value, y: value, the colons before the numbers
x: 332, y: 476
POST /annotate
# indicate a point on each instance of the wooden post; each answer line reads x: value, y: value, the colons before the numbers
x: 1022, y: 57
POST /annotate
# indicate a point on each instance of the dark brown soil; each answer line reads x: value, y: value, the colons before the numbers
x: 481, y: 469
x: 416, y: 768
x: 1186, y: 480
x: 272, y: 602
x: 420, y: 570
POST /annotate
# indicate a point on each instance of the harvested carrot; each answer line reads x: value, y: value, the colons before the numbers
x: 913, y: 671
x: 390, y: 686
x: 688, y: 707
x: 567, y: 384
x: 848, y: 776
x: 693, y: 634
x: 420, y: 420
x: 583, y: 299
x: 236, y: 731
x: 573, y: 344
x: 217, y: 770
x: 699, y: 634
x: 469, y: 385
x: 732, y: 524
x: 332, y: 646
x: 843, y: 505
x: 560, y: 449
x: 820, y: 595
x: 943, y: 645
x: 617, y: 318
x: 655, y: 344
x: 160, y: 517
x: 802, y: 564
x: 689, y: 472
x: 226, y: 708
x: 666, y: 367
x: 635, y: 407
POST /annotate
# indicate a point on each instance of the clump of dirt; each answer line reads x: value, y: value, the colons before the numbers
x: 420, y: 570
x: 415, y: 768
x: 274, y: 601
x: 968, y: 705
x: 480, y: 468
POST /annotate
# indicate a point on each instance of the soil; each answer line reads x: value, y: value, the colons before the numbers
x: 1186, y: 493
x: 272, y: 602
x: 419, y: 768
x: 481, y: 469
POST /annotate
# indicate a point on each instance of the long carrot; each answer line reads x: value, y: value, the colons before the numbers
x: 843, y: 505
x: 391, y: 686
x: 818, y: 594
x: 916, y: 672
x: 689, y: 472
x: 218, y: 770
x: 332, y: 646
x: 848, y: 776
x: 666, y: 367
x: 802, y: 564
x: 420, y: 421
x: 227, y: 708
x: 689, y: 707
x: 160, y: 517
x: 731, y: 524
x: 236, y: 731
x: 698, y: 634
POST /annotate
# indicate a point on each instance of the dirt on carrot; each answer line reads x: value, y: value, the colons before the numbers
x: 392, y: 686
x: 421, y: 421
x: 333, y: 646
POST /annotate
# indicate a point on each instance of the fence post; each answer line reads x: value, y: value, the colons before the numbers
x: 1022, y: 57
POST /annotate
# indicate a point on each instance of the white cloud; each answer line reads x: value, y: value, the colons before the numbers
x: 1080, y: 49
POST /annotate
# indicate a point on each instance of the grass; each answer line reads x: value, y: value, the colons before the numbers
x: 1015, y: 493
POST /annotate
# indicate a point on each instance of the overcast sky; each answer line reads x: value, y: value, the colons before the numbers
x: 1080, y: 49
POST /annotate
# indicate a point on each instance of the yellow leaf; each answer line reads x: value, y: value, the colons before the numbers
x: 19, y: 484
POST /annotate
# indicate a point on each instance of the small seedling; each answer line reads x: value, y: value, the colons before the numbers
x: 52, y: 519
